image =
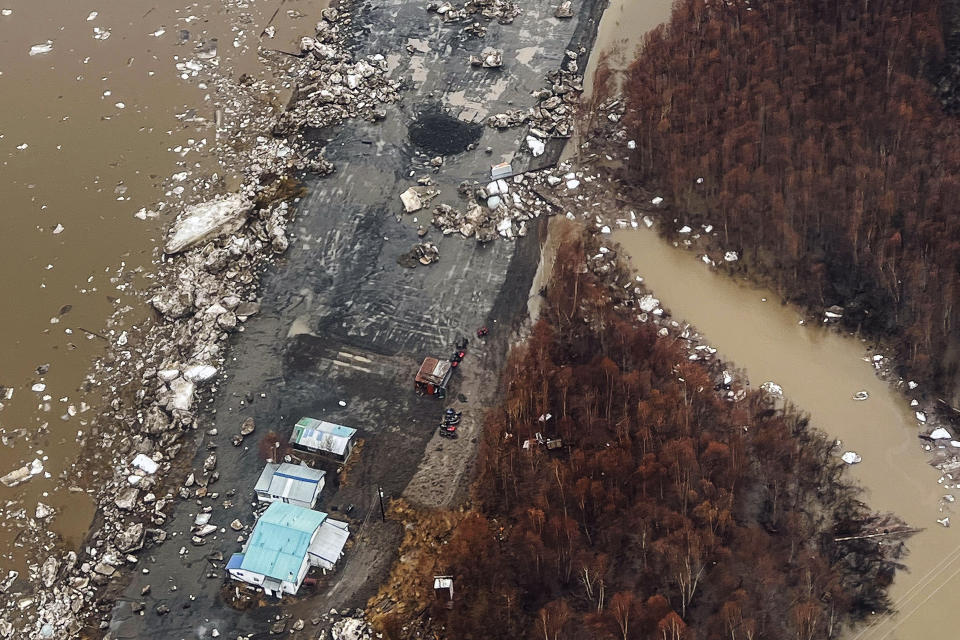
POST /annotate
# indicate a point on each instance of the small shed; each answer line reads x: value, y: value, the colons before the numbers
x: 291, y: 483
x: 434, y: 375
x: 325, y: 438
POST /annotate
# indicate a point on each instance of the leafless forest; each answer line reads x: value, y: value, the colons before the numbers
x: 825, y: 155
x: 668, y: 513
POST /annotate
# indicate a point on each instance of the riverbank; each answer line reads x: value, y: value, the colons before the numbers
x: 342, y: 325
x: 154, y: 376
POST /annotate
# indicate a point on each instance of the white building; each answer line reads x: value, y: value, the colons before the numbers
x: 316, y: 436
x: 286, y: 541
x: 293, y: 483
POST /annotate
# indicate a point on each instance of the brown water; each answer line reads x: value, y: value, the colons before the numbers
x: 820, y: 370
x: 101, y: 126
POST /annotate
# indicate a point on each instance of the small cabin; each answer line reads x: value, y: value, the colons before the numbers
x: 324, y: 438
x: 290, y: 483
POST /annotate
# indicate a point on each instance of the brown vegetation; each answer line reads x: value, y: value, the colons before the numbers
x: 668, y: 514
x: 825, y: 157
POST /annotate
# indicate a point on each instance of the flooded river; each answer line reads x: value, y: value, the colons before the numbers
x: 820, y: 370
x: 108, y: 116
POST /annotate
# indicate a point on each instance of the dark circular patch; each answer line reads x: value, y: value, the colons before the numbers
x: 439, y: 133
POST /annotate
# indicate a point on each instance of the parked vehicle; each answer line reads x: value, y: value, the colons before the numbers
x: 452, y: 417
x: 448, y: 430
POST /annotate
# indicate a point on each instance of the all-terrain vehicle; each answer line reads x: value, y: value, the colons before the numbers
x: 448, y: 430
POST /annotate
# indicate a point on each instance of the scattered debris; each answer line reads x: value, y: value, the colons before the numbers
x: 425, y: 253
x: 861, y: 395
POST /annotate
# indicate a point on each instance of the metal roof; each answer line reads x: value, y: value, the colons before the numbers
x: 434, y: 371
x: 235, y: 561
x: 322, y: 436
x: 293, y: 481
x: 330, y: 540
x: 280, y: 539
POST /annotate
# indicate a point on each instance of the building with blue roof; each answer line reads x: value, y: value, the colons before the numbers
x: 293, y: 483
x: 286, y: 541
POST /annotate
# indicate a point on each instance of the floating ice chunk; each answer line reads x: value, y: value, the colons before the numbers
x: 631, y: 144
x: 921, y: 416
x: 851, y: 457
x: 707, y: 228
x: 944, y: 521
x: 58, y: 229
x: 731, y: 256
x: 159, y: 32
x: 342, y: 403
x: 145, y: 464
x: 940, y: 434
x: 22, y: 474
x: 912, y: 385
x: 604, y: 229
x: 699, y: 180
x: 685, y: 229
x: 648, y: 303
x: 573, y: 184
x: 120, y: 105
x: 656, y: 200
x: 21, y: 147
x: 861, y: 395
x: 6, y: 12
x: 43, y: 47
x: 93, y: 16
x: 772, y: 388
x: 39, y: 387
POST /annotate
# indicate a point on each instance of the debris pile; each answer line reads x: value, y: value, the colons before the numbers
x: 503, y: 11
x: 425, y: 253
x: 489, y: 59
x: 553, y: 115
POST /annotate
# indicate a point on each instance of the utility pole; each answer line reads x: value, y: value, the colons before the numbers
x: 383, y: 515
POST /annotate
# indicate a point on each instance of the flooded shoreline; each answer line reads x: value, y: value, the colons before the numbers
x: 820, y: 370
x: 112, y: 123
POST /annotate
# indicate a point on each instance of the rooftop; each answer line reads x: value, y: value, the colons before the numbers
x: 296, y: 481
x: 280, y: 539
x: 324, y: 436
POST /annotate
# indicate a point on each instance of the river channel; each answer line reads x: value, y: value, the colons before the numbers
x: 108, y: 125
x: 820, y: 370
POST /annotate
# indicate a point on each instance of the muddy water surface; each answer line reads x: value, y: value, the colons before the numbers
x: 820, y: 370
x: 106, y: 112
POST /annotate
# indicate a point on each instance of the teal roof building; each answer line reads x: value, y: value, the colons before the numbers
x: 286, y: 541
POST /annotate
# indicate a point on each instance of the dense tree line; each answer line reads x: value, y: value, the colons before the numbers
x: 668, y: 513
x: 824, y: 154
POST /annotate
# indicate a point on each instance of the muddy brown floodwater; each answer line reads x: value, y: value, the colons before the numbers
x: 819, y: 371
x: 106, y: 111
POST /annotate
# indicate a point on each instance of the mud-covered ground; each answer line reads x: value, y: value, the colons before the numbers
x: 342, y: 321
